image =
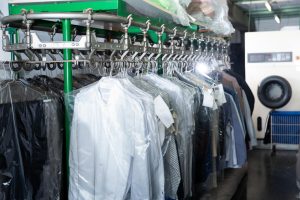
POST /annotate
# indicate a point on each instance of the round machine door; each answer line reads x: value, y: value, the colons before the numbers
x: 274, y: 92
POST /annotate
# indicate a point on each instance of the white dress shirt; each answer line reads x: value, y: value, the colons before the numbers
x: 109, y: 151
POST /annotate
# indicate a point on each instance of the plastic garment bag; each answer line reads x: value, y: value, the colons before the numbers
x: 155, y: 155
x: 31, y: 141
x: 168, y: 143
x: 202, y: 154
x: 213, y: 14
x: 113, y: 143
x: 179, y: 104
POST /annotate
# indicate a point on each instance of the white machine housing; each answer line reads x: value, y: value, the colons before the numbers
x: 272, y: 53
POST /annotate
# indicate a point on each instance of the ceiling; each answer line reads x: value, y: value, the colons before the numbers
x: 257, y: 8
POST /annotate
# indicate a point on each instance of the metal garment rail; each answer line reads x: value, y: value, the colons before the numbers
x: 84, y: 16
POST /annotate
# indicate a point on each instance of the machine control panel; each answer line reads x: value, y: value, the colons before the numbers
x: 270, y: 57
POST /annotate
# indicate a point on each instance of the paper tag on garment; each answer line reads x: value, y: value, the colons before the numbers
x: 163, y: 112
x: 220, y: 95
x: 208, y: 99
x: 215, y: 106
x: 162, y: 133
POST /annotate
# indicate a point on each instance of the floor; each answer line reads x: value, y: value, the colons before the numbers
x: 272, y: 177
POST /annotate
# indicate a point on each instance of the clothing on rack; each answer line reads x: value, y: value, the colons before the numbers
x: 31, y: 142
x: 245, y: 87
x: 32, y: 159
x: 140, y: 137
x: 119, y: 138
x: 128, y: 152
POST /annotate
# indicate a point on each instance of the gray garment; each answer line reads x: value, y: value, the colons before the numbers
x: 189, y: 93
x: 179, y: 104
x: 214, y: 124
x: 153, y: 91
x: 249, y: 121
x: 171, y: 166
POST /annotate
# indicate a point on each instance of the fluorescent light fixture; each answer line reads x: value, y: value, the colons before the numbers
x: 268, y: 6
x: 277, y: 19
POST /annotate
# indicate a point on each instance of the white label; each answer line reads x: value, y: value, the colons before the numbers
x: 208, y: 99
x: 163, y: 112
x: 220, y: 95
x: 215, y: 106
x: 162, y: 134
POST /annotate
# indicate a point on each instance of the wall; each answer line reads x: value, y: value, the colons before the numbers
x: 271, y: 25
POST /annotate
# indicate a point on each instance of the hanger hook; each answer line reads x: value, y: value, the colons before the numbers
x: 129, y: 21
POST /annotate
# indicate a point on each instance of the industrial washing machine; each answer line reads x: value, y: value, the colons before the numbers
x: 273, y: 73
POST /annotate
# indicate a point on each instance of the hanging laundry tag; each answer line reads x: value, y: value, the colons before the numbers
x: 162, y: 134
x: 163, y: 112
x: 220, y: 95
x: 221, y: 89
x: 215, y: 106
x: 208, y: 99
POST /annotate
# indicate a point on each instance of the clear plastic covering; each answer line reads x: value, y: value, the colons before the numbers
x: 31, y: 141
x: 183, y: 122
x: 115, y: 149
x: 213, y: 14
x: 119, y: 150
x: 121, y: 147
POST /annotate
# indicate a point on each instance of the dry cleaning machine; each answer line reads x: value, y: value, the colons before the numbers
x: 273, y: 73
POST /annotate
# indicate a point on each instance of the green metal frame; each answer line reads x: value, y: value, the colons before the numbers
x: 78, y: 6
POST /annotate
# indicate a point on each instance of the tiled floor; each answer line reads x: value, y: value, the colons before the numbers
x: 272, y: 177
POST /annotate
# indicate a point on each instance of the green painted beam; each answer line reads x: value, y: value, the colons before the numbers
x: 117, y: 6
x: 98, y: 5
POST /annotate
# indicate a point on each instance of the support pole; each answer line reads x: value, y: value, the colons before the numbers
x: 66, y: 26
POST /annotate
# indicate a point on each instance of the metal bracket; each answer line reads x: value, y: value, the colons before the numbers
x: 101, y: 46
x: 38, y: 44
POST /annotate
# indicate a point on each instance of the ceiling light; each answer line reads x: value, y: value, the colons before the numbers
x: 277, y: 19
x: 268, y: 6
